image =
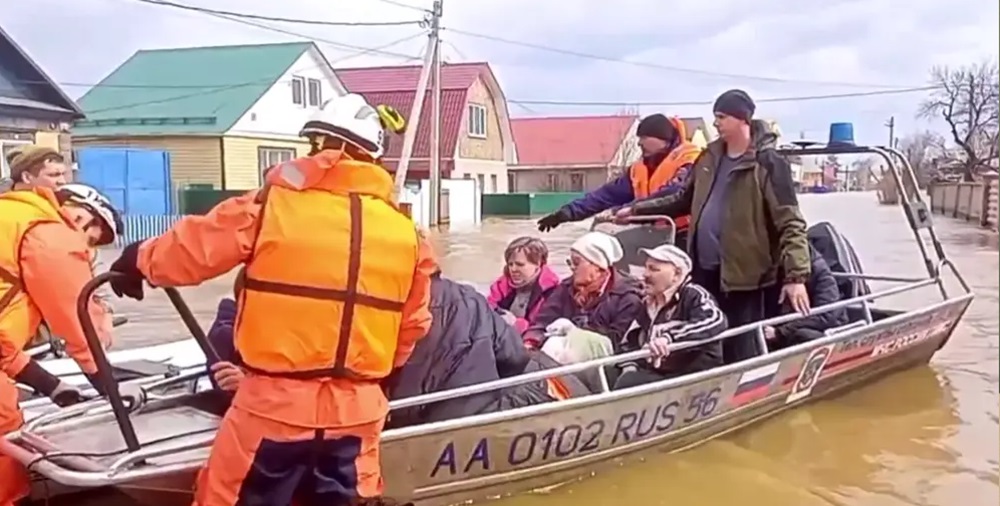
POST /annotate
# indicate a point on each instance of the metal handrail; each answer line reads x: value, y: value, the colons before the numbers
x: 638, y: 355
x: 104, y: 372
x: 135, y: 456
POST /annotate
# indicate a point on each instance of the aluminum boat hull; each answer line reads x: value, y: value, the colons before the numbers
x: 501, y: 453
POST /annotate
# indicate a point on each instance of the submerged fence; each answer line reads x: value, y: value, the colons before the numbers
x: 140, y: 227
x: 975, y: 201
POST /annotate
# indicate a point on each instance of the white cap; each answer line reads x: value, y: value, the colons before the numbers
x: 352, y: 119
x: 668, y: 253
x: 600, y: 249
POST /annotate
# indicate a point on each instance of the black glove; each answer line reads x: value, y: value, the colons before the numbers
x: 550, y: 221
x: 129, y: 284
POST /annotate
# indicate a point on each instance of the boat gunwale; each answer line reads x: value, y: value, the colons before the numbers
x: 118, y: 476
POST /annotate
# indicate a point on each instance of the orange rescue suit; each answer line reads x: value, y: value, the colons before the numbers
x: 347, y: 305
x: 336, y: 295
x: 644, y: 185
x: 43, y: 252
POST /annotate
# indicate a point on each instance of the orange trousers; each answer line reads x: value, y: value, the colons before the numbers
x: 257, y: 461
x: 15, y: 483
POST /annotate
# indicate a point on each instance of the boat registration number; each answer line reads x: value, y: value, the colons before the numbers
x: 533, y: 447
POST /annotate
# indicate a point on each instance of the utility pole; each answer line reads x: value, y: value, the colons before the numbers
x: 431, y: 20
x: 891, y: 124
x: 435, y: 161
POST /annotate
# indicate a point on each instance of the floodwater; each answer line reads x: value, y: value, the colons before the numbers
x: 928, y: 436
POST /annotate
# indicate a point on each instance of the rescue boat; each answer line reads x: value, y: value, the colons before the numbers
x: 162, y: 442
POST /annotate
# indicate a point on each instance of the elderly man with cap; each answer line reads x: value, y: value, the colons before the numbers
x: 595, y: 297
x: 748, y: 237
x: 677, y: 310
x: 33, y: 166
x: 666, y: 157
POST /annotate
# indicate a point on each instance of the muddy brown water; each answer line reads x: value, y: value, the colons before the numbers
x: 929, y: 436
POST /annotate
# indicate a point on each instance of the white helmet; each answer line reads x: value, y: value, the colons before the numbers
x: 352, y: 119
x: 91, y: 199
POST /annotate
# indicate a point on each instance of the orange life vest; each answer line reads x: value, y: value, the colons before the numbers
x: 330, y: 270
x: 19, y: 212
x: 644, y: 185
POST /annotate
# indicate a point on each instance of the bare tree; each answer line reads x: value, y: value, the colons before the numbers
x: 923, y: 150
x: 628, y: 151
x: 968, y: 100
x: 864, y: 173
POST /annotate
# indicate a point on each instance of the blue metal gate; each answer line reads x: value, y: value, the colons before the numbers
x: 136, y: 180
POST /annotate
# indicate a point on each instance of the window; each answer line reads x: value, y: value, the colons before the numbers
x: 315, y: 93
x: 6, y: 147
x: 493, y: 183
x: 482, y: 183
x: 552, y: 182
x: 477, y: 121
x: 511, y: 185
x: 466, y: 176
x: 576, y: 182
x: 269, y: 157
x: 298, y: 91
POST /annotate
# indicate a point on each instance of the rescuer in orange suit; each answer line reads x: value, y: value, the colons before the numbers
x: 666, y: 158
x: 44, y: 264
x: 335, y: 297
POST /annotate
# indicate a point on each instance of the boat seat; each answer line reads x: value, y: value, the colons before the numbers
x: 96, y: 444
x: 135, y: 369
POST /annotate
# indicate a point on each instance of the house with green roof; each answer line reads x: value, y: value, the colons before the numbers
x: 33, y: 108
x: 223, y: 113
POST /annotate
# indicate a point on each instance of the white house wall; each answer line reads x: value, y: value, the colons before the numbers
x: 628, y: 151
x: 274, y: 114
x: 470, y: 168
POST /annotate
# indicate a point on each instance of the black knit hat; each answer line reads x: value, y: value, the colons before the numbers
x: 657, y: 126
x: 735, y: 103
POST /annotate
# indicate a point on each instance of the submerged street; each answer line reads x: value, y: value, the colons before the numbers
x: 928, y: 436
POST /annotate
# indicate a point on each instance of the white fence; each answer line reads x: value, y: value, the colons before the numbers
x: 140, y: 227
x: 461, y: 206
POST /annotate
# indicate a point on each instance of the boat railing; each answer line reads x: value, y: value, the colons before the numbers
x: 133, y: 456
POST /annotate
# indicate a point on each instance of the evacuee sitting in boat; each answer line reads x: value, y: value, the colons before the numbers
x: 220, y: 334
x: 676, y: 311
x: 468, y: 343
x: 568, y: 344
x: 526, y: 281
x: 595, y: 297
x: 822, y: 288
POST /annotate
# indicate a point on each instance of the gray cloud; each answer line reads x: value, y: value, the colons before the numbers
x: 863, y: 41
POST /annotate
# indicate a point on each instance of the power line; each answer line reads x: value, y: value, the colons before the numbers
x: 801, y: 98
x: 405, y: 5
x: 668, y: 68
x: 205, y: 87
x: 313, y: 38
x: 203, y: 10
x: 217, y: 89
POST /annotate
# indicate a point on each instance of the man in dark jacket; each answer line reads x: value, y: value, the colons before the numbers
x: 823, y: 290
x: 666, y: 157
x: 746, y: 224
x: 469, y: 343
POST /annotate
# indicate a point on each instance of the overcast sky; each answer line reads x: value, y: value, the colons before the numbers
x: 677, y: 50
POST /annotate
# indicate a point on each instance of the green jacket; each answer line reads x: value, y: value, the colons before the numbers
x: 764, y: 234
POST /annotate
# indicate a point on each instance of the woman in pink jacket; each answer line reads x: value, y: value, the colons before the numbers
x: 526, y: 282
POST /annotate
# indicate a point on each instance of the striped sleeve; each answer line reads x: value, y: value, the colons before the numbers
x: 701, y: 317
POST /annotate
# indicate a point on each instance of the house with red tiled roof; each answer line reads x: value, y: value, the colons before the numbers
x: 579, y: 153
x: 476, y: 138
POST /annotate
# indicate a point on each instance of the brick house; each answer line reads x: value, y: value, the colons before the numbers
x: 476, y: 138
